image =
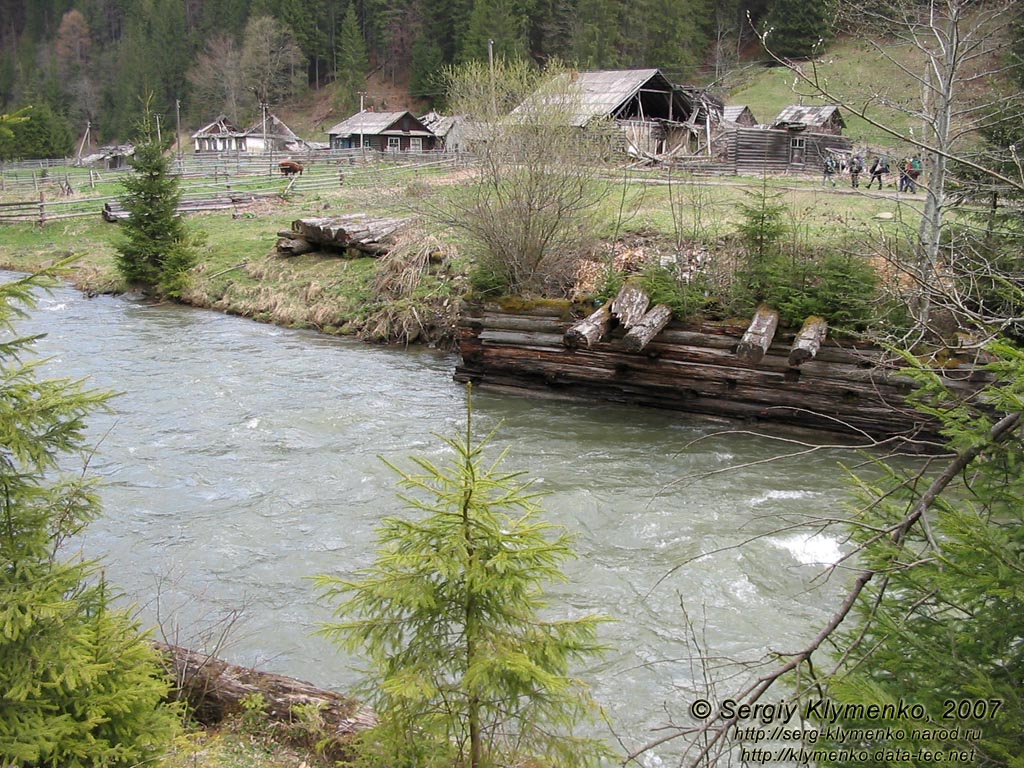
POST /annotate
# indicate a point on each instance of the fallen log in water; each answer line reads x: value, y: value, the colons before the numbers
x: 215, y: 689
x: 367, y: 234
x: 590, y: 330
x: 759, y: 335
x: 649, y: 326
x: 808, y: 340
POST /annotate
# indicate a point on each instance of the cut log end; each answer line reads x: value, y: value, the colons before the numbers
x: 759, y: 336
x: 650, y: 325
x: 630, y: 305
x: 590, y: 330
x: 808, y: 341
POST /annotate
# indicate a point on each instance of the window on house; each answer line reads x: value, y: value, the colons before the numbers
x: 394, y: 143
x: 797, y: 142
x: 416, y: 144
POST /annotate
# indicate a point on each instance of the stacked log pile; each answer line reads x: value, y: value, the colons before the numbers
x: 804, y: 379
x: 366, y: 235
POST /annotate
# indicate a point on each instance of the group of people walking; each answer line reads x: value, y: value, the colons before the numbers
x: 909, y: 170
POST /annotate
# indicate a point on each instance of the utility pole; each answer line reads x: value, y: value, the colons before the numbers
x: 263, y: 111
x: 85, y: 138
x: 177, y: 119
x: 490, y: 63
x: 361, y: 118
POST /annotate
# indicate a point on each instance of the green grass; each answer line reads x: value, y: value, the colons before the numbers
x: 857, y: 73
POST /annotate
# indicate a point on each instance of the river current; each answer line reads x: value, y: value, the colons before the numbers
x: 240, y: 459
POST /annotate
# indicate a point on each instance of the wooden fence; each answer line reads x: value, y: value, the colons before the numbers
x: 209, y: 181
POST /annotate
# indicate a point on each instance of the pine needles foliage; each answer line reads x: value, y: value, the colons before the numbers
x: 464, y: 668
x: 79, y: 685
x: 157, y: 250
x: 940, y: 625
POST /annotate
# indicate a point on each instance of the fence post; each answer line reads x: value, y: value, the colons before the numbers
x: 42, y: 208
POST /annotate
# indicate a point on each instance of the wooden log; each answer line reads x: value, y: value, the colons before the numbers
x: 590, y: 330
x: 808, y: 341
x: 759, y: 335
x: 358, y: 230
x: 650, y: 325
x: 215, y: 689
x: 630, y: 305
x: 293, y: 246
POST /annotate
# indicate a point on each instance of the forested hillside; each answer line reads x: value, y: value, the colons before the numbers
x: 79, y: 61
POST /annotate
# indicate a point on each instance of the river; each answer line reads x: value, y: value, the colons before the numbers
x: 241, y: 459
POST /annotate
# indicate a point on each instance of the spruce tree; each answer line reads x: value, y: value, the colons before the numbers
x: 157, y: 250
x: 463, y: 669
x: 797, y: 28
x: 79, y: 686
x: 940, y: 623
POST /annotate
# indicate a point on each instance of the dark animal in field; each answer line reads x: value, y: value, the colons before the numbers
x: 291, y: 167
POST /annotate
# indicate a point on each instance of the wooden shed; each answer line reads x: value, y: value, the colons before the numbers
x: 819, y: 119
x: 382, y: 131
x: 448, y: 130
x: 772, y: 150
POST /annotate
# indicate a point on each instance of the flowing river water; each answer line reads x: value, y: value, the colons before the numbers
x: 241, y: 459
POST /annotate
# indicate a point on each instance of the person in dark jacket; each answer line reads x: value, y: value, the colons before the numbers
x: 879, y: 168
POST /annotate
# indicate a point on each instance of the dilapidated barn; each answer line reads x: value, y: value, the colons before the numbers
x: 655, y: 116
x: 382, y: 131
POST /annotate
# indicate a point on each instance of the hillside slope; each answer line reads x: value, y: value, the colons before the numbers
x: 855, y: 71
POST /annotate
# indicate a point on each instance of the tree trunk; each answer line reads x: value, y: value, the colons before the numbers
x: 630, y: 305
x: 358, y: 230
x: 590, y: 330
x: 808, y: 341
x: 650, y: 325
x: 759, y: 335
x: 214, y: 689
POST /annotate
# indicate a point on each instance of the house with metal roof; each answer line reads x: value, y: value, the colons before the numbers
x: 817, y: 119
x: 382, y: 131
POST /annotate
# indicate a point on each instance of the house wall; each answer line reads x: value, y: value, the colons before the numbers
x: 754, y: 150
x: 381, y: 143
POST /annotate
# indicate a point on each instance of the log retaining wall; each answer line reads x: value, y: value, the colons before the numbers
x: 848, y: 386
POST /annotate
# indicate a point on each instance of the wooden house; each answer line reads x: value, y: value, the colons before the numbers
x: 219, y: 136
x: 739, y: 114
x: 272, y: 135
x: 656, y: 117
x: 265, y: 135
x: 382, y: 131
x: 448, y: 130
x: 818, y: 119
x: 744, y: 150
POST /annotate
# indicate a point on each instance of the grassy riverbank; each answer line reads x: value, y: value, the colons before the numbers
x: 240, y: 273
